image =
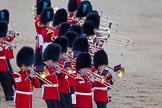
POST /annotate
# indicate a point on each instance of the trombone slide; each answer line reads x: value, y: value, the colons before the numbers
x: 124, y: 39
x: 41, y: 78
x: 127, y: 82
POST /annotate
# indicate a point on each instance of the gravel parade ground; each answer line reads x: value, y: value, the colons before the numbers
x: 139, y: 20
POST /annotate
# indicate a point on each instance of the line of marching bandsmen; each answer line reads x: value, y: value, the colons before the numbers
x: 70, y: 64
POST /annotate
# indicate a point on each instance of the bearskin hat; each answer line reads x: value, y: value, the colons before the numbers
x: 46, y: 15
x: 25, y: 56
x: 73, y: 5
x: 81, y: 44
x: 41, y: 5
x: 95, y: 18
x: 5, y: 15
x: 83, y: 61
x: 3, y: 28
x: 87, y: 2
x: 63, y: 42
x: 88, y: 28
x: 100, y: 58
x: 77, y: 28
x: 60, y: 17
x: 37, y: 1
x: 52, y: 52
x: 82, y: 10
x: 71, y: 35
x: 63, y: 28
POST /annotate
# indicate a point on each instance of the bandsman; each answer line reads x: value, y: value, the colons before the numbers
x: 59, y: 18
x: 64, y: 88
x: 101, y: 96
x: 50, y: 88
x: 25, y: 79
x: 83, y: 82
x: 47, y: 32
x: 5, y: 75
x: 72, y: 7
x: 40, y: 6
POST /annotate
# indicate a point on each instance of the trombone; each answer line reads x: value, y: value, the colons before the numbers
x: 105, y: 18
x: 68, y: 70
x: 42, y: 75
x: 7, y: 44
x: 118, y: 74
x: 123, y: 39
x: 13, y: 33
x: 102, y: 79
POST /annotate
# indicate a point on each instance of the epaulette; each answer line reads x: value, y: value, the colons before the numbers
x: 49, y: 30
x: 40, y: 24
x: 16, y: 73
x: 79, y: 78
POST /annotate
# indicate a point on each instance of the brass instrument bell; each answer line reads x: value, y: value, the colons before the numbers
x: 121, y: 72
x: 44, y: 73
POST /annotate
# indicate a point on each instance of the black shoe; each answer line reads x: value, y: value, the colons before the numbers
x: 110, y: 98
x: 9, y: 98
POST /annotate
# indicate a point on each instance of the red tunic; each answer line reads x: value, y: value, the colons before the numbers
x: 37, y: 26
x: 100, y: 91
x: 63, y: 80
x: 9, y: 49
x: 50, y: 91
x: 83, y: 91
x: 24, y: 89
x: 3, y: 62
x: 71, y: 20
x: 47, y: 35
x: 39, y: 38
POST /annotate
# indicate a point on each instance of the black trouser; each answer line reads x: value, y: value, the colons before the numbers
x: 6, y: 84
x: 101, y: 104
x: 9, y: 66
x: 52, y: 104
x: 10, y: 72
x: 65, y: 100
x: 71, y: 92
